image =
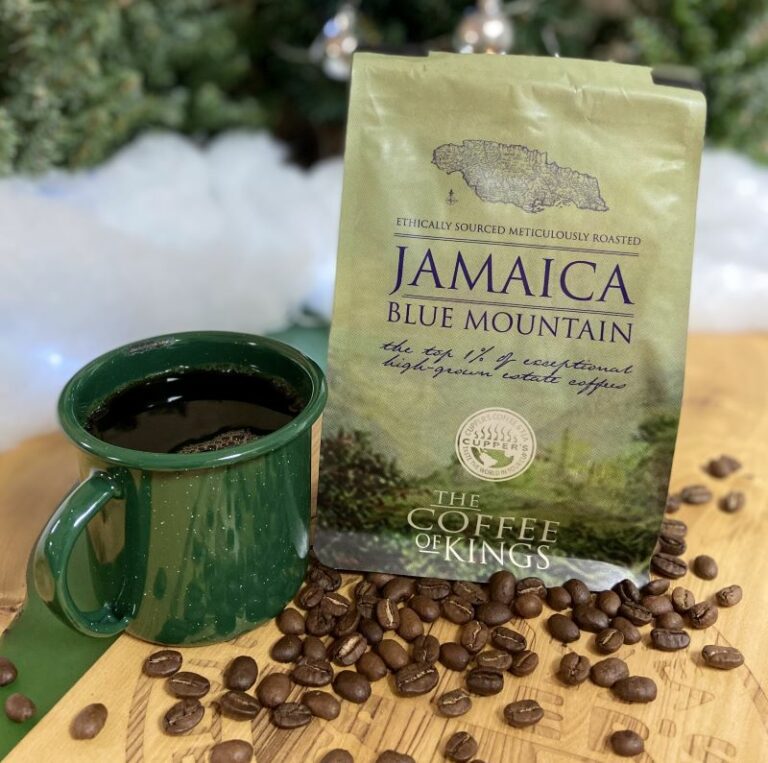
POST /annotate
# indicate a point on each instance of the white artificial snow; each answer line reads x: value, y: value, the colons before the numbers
x: 169, y: 235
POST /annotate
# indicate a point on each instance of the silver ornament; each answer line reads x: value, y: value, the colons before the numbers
x: 486, y: 29
x: 338, y: 40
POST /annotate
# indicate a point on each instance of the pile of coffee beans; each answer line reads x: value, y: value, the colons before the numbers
x: 335, y: 645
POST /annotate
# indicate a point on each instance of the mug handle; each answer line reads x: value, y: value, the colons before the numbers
x: 54, y: 548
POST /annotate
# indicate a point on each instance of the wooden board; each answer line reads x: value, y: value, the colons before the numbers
x: 33, y: 477
x: 700, y: 715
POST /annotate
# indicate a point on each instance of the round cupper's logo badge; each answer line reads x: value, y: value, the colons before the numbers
x: 495, y: 444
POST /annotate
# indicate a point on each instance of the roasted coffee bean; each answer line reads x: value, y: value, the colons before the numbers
x: 426, y: 649
x: 702, y: 615
x: 416, y: 678
x: 366, y: 588
x: 484, y: 681
x: 635, y: 689
x: 347, y: 624
x: 474, y: 636
x: 286, y: 649
x: 433, y: 588
x: 454, y: 703
x: 558, y: 598
x: 722, y: 467
x: 185, y: 684
x: 608, y: 602
x: 388, y: 615
x: 371, y: 666
x: 637, y: 614
x: 657, y: 605
x: 695, y: 494
x: 733, y: 501
x: 628, y: 629
x: 183, y: 717
x: 318, y: 623
x: 626, y: 590
x: 607, y: 672
x: 563, y: 629
x: 347, y: 650
x: 352, y: 686
x: 609, y: 640
x: 471, y: 592
x: 705, y: 567
x: 290, y: 622
x: 232, y: 751
x: 8, y: 671
x: 573, y: 669
x: 682, y: 600
x: 501, y: 586
x: 454, y: 656
x: 626, y: 743
x: 380, y: 579
x: 669, y: 544
x: 327, y: 578
x: 494, y: 613
x: 461, y: 747
x: 89, y: 721
x: 392, y: 756
x: 524, y: 663
x: 670, y: 620
x: 655, y: 587
x: 366, y: 606
x: 335, y: 604
x: 394, y: 656
x: 313, y: 648
x: 310, y: 596
x: 372, y: 631
x: 19, y: 707
x: 291, y: 715
x: 457, y: 610
x: 410, y: 626
x: 523, y: 713
x: 239, y: 705
x: 507, y: 639
x: 674, y: 502
x: 494, y: 659
x: 310, y: 672
x: 531, y: 585
x: 399, y: 589
x: 669, y: 640
x: 427, y: 609
x: 161, y: 664
x: 579, y: 592
x: 274, y: 689
x: 590, y: 618
x: 668, y: 566
x: 674, y: 528
x: 321, y: 704
x: 722, y: 657
x: 337, y: 755
x: 527, y: 606
x: 241, y: 673
x: 725, y: 597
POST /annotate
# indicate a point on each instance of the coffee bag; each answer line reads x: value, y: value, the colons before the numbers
x: 508, y: 337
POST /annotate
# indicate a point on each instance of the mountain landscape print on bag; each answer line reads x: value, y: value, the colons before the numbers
x: 511, y: 174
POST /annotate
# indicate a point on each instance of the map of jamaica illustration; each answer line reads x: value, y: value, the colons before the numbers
x: 512, y: 174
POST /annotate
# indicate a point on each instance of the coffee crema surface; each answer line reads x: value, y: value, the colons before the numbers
x: 195, y: 411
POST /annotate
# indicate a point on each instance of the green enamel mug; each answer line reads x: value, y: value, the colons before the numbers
x: 184, y: 549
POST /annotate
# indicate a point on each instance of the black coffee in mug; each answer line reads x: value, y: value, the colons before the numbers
x: 195, y: 411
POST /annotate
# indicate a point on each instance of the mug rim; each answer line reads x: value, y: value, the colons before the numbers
x: 148, y: 460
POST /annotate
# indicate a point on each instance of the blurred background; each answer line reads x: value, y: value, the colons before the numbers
x: 176, y: 164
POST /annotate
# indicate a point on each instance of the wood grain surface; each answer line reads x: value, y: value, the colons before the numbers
x: 700, y: 715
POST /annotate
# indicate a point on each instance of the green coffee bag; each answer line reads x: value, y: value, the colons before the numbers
x: 508, y: 338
